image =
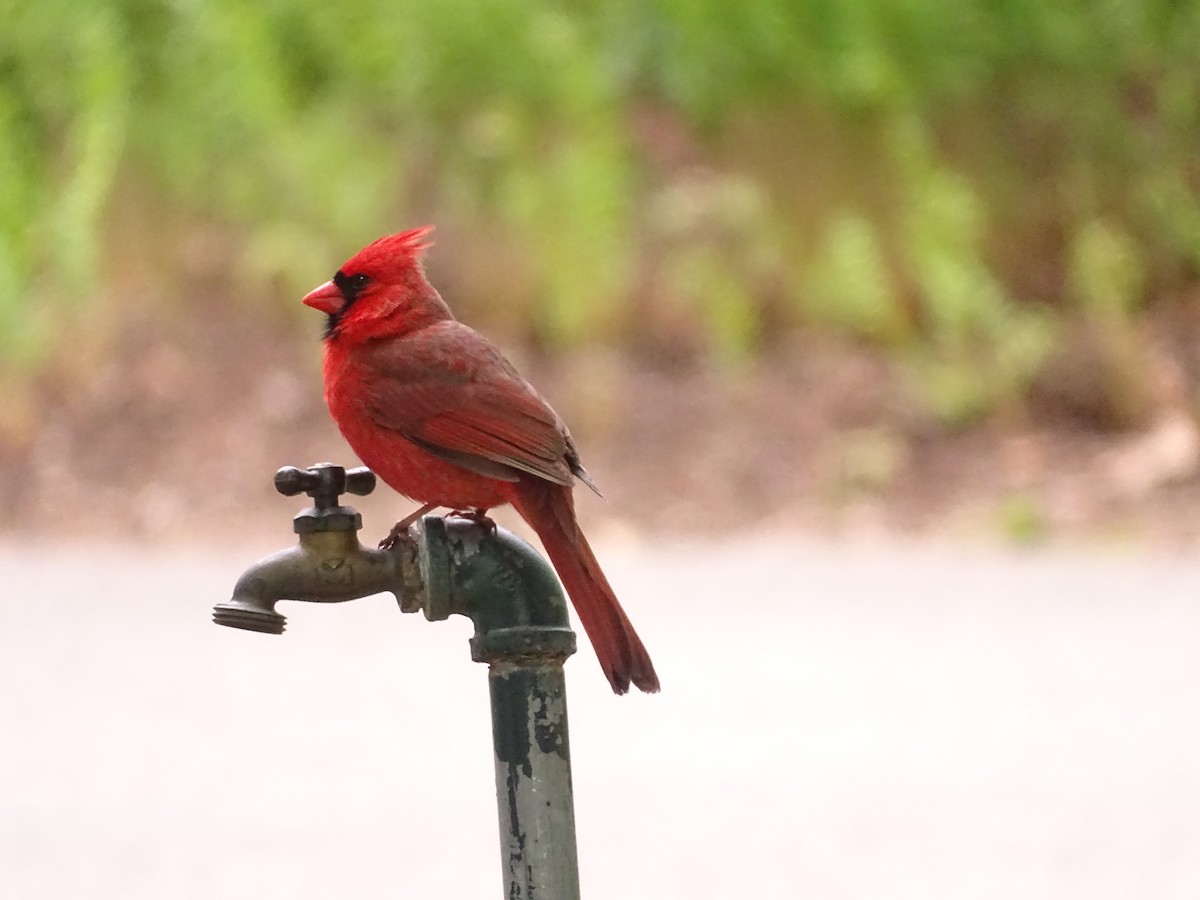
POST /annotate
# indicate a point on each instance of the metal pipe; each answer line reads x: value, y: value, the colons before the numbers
x: 522, y: 632
x: 533, y: 781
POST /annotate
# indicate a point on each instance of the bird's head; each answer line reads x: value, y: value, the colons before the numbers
x: 381, y: 289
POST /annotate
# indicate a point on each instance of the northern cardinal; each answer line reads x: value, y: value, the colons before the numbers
x: 442, y: 417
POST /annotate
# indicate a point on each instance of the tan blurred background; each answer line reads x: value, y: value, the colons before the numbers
x: 827, y: 291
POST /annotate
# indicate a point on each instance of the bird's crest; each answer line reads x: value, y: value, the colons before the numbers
x: 394, y: 252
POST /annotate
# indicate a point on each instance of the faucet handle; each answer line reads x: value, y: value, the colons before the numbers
x: 291, y: 481
x: 360, y: 481
x: 324, y: 482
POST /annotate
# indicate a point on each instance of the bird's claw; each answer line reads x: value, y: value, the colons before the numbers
x: 401, y: 528
x: 479, y: 517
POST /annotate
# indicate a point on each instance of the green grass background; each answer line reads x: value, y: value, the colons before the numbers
x: 965, y: 185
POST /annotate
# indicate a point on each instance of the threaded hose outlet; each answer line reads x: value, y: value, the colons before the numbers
x: 249, y: 618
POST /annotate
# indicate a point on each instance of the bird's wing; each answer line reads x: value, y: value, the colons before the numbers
x: 453, y: 394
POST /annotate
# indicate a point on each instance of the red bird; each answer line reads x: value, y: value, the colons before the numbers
x: 441, y: 416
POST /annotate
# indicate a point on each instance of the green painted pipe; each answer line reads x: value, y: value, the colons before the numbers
x: 523, y: 633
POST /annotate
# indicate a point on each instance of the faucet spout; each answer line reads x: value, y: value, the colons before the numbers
x: 325, y: 567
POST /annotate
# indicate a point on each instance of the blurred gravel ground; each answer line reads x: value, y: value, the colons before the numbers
x: 837, y: 722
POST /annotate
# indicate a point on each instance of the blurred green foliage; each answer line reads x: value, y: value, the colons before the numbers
x: 1022, y: 518
x: 604, y: 161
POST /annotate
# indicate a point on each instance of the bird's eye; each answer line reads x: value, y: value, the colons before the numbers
x: 358, y: 282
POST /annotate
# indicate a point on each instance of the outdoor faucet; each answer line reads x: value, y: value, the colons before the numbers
x: 442, y: 567
x: 328, y: 565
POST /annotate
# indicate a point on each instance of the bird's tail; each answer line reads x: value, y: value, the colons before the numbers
x: 551, y: 512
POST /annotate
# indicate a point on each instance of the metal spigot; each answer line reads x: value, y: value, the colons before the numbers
x: 329, y: 565
x: 445, y: 567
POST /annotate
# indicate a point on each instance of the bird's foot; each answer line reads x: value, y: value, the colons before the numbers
x: 479, y: 516
x: 401, y: 527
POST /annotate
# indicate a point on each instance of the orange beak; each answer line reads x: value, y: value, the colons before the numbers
x: 327, y: 298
